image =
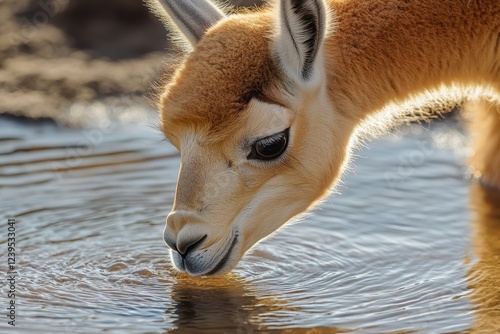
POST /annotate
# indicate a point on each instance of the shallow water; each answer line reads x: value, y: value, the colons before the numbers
x: 399, y: 249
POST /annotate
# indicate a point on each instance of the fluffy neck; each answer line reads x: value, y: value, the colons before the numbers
x: 384, y: 51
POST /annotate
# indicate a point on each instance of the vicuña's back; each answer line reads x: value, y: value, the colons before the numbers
x: 267, y: 104
x: 382, y: 50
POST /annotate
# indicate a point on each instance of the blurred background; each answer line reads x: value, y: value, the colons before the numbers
x: 54, y: 53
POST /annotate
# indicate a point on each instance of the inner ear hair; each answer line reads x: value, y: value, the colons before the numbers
x: 301, y: 27
x: 312, y: 27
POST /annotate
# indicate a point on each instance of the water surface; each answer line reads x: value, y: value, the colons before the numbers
x: 408, y: 244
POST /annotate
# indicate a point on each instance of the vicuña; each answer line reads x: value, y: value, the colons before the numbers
x: 268, y: 103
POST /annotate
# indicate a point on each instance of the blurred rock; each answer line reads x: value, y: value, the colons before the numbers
x: 119, y: 29
x: 54, y: 53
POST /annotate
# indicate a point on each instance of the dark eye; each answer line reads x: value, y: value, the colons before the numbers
x: 271, y: 147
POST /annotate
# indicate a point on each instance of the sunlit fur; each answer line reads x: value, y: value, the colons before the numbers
x: 235, y: 88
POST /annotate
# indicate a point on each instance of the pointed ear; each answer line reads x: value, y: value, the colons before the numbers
x: 189, y: 17
x: 300, y: 29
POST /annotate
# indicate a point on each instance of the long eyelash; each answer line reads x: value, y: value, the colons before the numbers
x: 272, y: 140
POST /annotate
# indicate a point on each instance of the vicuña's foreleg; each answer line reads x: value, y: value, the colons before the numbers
x: 484, y: 119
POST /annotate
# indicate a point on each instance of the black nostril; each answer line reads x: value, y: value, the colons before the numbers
x: 170, y: 243
x: 183, y: 247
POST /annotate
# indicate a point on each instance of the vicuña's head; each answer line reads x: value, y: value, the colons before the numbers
x: 250, y: 112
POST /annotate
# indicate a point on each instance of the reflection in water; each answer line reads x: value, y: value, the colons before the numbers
x: 227, y: 304
x: 217, y: 305
x: 484, y: 276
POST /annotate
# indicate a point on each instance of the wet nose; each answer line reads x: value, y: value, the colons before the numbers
x: 183, y: 232
x: 184, y: 246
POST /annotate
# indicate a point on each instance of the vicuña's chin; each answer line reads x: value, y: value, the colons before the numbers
x: 215, y: 260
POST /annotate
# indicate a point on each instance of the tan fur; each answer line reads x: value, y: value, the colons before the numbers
x: 218, y: 79
x: 229, y: 93
x: 383, y: 51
